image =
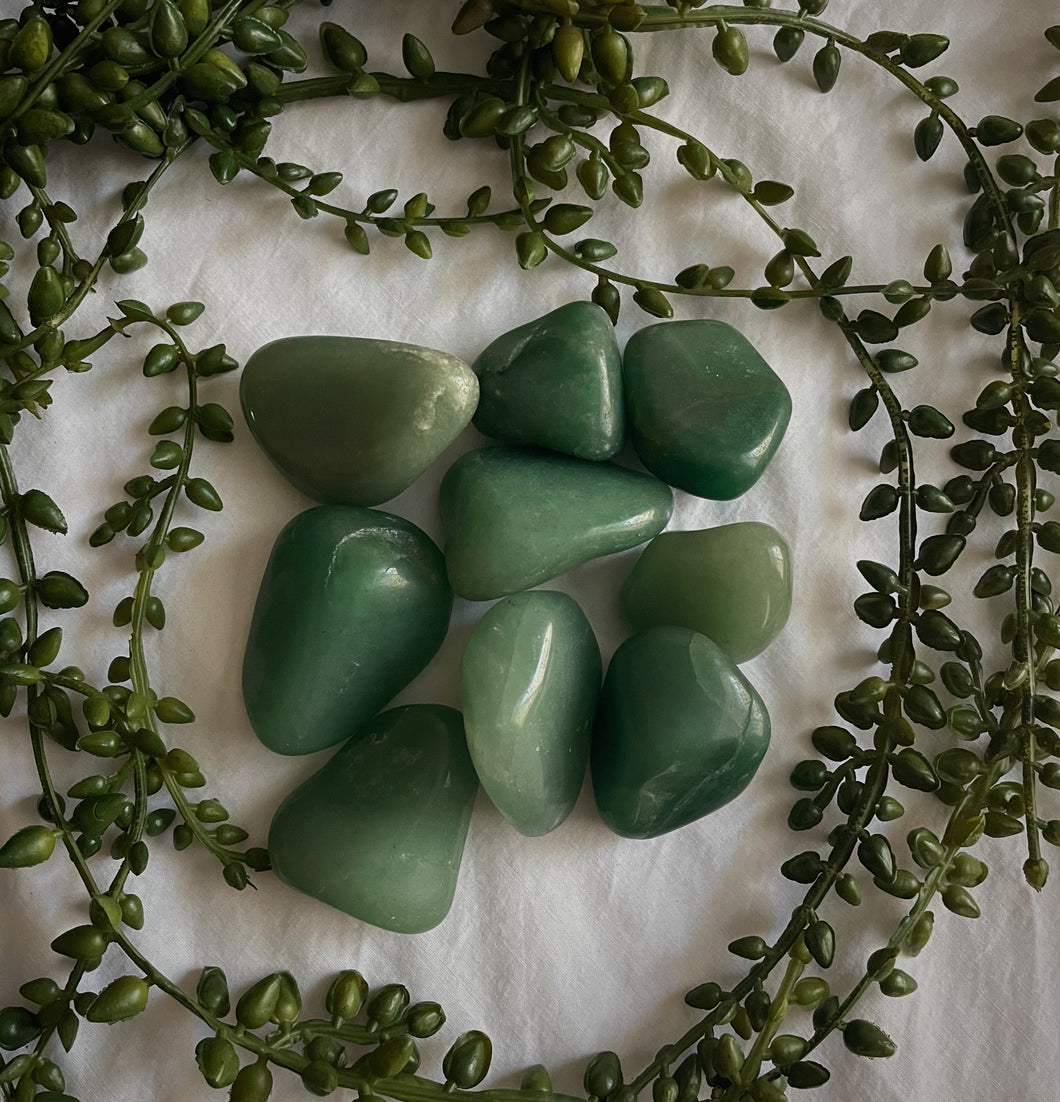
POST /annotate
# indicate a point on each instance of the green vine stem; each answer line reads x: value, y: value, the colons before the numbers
x: 203, y: 77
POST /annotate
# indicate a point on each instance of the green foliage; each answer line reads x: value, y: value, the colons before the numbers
x: 578, y: 114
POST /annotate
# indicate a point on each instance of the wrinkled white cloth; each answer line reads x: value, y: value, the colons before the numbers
x: 580, y: 941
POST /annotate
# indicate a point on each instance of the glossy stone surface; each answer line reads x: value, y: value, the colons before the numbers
x: 732, y: 583
x: 531, y: 676
x: 351, y: 420
x: 706, y: 412
x: 379, y: 831
x: 514, y: 518
x: 679, y: 733
x: 556, y: 383
x: 352, y: 605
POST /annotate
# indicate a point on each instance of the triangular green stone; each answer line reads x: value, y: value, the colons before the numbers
x: 555, y: 382
x: 514, y: 518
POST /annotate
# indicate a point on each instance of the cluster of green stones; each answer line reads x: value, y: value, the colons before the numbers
x: 355, y: 601
x: 562, y: 102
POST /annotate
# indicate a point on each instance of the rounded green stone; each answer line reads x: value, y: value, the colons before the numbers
x: 555, y: 382
x: 732, y: 583
x: 706, y: 412
x: 679, y: 733
x: 531, y: 676
x: 353, y: 420
x: 352, y: 605
x: 516, y: 517
x: 379, y: 831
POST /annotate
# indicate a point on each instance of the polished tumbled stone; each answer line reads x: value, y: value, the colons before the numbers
x: 556, y: 383
x: 679, y: 733
x: 706, y: 412
x: 732, y: 583
x: 531, y: 676
x: 352, y: 420
x: 514, y: 518
x: 352, y: 605
x: 379, y: 831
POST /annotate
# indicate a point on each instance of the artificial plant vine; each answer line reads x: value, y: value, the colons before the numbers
x: 166, y: 78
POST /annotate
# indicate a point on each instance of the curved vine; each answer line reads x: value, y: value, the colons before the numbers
x: 167, y: 78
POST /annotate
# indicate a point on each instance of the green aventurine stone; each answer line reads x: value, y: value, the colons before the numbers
x: 352, y: 605
x: 379, y: 831
x: 706, y: 412
x: 732, y: 583
x: 679, y: 733
x: 351, y: 420
x: 531, y: 676
x: 514, y: 518
x: 555, y: 382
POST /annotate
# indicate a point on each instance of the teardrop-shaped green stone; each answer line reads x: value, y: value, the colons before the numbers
x: 679, y: 733
x: 732, y: 583
x: 515, y: 517
x: 352, y: 605
x: 555, y: 382
x: 706, y: 412
x: 379, y: 831
x: 353, y: 420
x: 531, y: 676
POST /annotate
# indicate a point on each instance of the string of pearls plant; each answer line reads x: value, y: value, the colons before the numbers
x: 561, y: 101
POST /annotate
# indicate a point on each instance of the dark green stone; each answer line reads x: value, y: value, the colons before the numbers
x: 352, y: 420
x: 732, y: 583
x: 679, y: 733
x: 531, y: 676
x: 352, y: 605
x: 706, y: 412
x: 379, y: 831
x: 556, y: 383
x: 514, y: 518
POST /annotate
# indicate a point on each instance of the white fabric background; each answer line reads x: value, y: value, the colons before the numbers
x: 562, y: 946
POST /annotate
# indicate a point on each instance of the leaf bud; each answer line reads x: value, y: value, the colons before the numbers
x: 18, y: 1028
x: 27, y: 847
x: 865, y: 1039
x: 939, y: 552
x: 728, y: 1057
x: 826, y: 64
x: 252, y: 1084
x: 120, y: 1000
x: 729, y: 49
x: 806, y: 1074
x: 468, y: 1060
x: 997, y: 130
x: 82, y: 943
x: 217, y: 1060
x: 704, y: 997
x: 257, y: 1004
x: 920, y: 49
x: 603, y: 1075
x: 416, y: 57
x: 288, y: 1000
x: 959, y: 900
x: 875, y: 853
x: 346, y: 995
x: 424, y: 1019
x: 820, y: 941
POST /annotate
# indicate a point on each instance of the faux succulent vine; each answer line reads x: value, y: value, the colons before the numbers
x: 561, y: 101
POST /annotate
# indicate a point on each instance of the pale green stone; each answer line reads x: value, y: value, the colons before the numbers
x: 353, y: 420
x: 679, y: 733
x: 352, y: 605
x: 706, y: 412
x: 531, y: 676
x: 732, y: 583
x: 514, y: 518
x: 555, y: 382
x: 379, y: 831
